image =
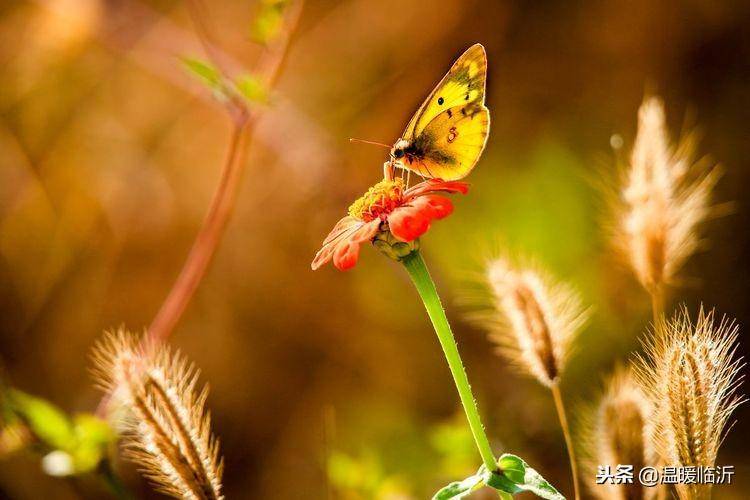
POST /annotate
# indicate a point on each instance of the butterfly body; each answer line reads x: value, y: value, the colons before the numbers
x: 446, y: 136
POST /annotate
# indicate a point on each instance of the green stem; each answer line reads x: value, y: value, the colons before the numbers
x: 420, y: 276
x: 115, y: 486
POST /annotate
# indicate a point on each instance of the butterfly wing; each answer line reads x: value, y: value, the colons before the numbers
x: 448, y: 133
x: 450, y: 145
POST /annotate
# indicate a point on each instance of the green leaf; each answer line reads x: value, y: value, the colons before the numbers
x: 45, y: 420
x: 84, y: 439
x: 205, y: 72
x: 512, y: 467
x: 93, y: 436
x: 269, y: 20
x: 515, y: 476
x: 523, y: 478
x: 92, y: 429
x: 460, y: 489
x: 502, y: 483
x: 252, y: 89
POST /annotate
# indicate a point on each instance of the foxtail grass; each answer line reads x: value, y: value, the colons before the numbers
x: 618, y: 431
x: 691, y: 376
x: 663, y: 199
x: 166, y: 429
x: 534, y: 322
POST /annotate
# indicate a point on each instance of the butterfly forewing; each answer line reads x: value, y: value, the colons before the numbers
x: 448, y: 133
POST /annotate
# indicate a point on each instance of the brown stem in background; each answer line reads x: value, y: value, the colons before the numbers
x: 206, y: 242
x: 222, y: 204
x: 208, y: 238
x: 568, y: 437
x: 657, y: 305
x: 657, y: 311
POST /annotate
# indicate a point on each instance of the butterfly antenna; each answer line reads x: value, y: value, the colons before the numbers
x: 351, y: 139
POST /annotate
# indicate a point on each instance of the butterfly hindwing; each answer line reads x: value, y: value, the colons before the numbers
x: 448, y: 133
x: 450, y: 145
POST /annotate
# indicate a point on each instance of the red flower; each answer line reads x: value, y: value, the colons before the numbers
x: 387, y: 207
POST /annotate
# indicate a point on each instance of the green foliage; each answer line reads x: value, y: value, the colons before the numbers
x: 363, y: 477
x: 408, y: 468
x: 252, y: 89
x: 246, y: 87
x: 525, y: 478
x: 401, y: 458
x: 46, y: 421
x: 454, y: 445
x: 269, y: 21
x: 382, y: 472
x: 515, y: 476
x: 540, y: 204
x: 92, y: 437
x: 84, y: 437
x: 460, y: 489
x: 204, y: 71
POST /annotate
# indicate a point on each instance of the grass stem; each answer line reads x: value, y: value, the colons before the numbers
x: 657, y: 305
x: 557, y: 396
x: 207, y: 241
x: 222, y: 203
x: 113, y: 482
x: 657, y: 311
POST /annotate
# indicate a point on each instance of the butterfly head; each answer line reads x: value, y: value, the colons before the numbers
x: 399, y: 149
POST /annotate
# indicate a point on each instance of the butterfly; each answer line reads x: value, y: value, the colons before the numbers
x: 446, y: 136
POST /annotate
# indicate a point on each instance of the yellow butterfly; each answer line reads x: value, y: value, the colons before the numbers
x: 446, y: 136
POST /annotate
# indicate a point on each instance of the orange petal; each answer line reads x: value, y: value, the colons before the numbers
x: 434, y: 206
x: 342, y: 231
x: 347, y: 252
x: 408, y: 223
x: 436, y: 185
x: 343, y: 241
x: 346, y: 255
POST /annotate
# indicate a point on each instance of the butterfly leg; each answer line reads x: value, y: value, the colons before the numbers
x: 389, y: 171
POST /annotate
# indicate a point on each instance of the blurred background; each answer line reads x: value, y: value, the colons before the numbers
x: 328, y: 384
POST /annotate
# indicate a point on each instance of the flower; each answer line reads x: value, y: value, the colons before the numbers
x: 390, y: 213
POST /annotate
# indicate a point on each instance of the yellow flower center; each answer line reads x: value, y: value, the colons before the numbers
x: 379, y: 200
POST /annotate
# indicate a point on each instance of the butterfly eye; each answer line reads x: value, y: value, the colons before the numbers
x: 398, y: 153
x: 441, y: 101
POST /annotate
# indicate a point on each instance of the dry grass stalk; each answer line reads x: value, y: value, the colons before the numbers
x: 621, y: 433
x: 534, y: 321
x: 664, y: 198
x: 691, y: 376
x: 167, y: 429
x: 534, y: 324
